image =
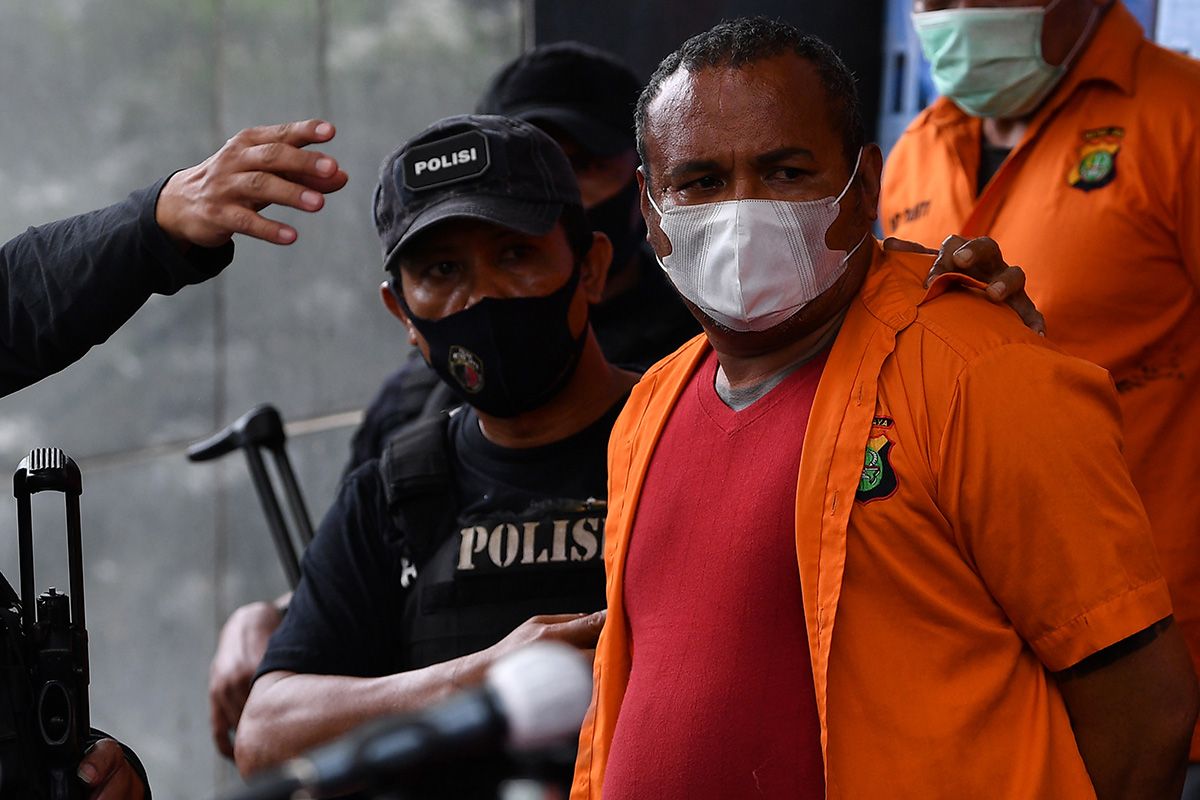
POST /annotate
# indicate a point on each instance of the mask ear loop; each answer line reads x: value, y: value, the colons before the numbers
x: 1083, y: 37
x: 837, y: 201
x: 649, y: 196
x: 853, y: 175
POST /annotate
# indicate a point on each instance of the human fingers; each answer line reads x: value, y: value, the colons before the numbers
x: 553, y: 619
x: 282, y: 159
x: 100, y: 762
x: 297, y: 133
x: 1023, y: 305
x: 228, y: 693
x: 205, y: 205
x: 124, y: 784
x: 235, y: 692
x: 240, y: 648
x: 324, y: 185
x: 220, y: 727
x: 1008, y: 283
x: 944, y: 263
x: 892, y: 244
x: 257, y: 190
x: 232, y: 218
x: 980, y: 258
x: 1009, y: 287
x: 581, y: 632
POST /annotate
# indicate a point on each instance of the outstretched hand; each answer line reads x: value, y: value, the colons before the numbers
x: 980, y: 258
x: 206, y: 204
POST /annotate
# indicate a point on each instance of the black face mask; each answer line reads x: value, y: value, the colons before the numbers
x: 619, y: 219
x: 505, y: 356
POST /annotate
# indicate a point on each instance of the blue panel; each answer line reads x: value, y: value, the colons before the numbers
x: 907, y: 87
x: 1144, y: 11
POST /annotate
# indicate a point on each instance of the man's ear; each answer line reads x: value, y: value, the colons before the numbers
x: 654, y: 235
x: 644, y: 198
x: 594, y: 269
x: 393, y: 305
x: 870, y: 174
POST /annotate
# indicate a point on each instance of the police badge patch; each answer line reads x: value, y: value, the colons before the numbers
x: 1097, y: 164
x: 878, y: 479
x: 466, y: 368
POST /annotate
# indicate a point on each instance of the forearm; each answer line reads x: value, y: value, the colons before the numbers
x: 289, y: 713
x: 1145, y: 762
x: 1132, y: 715
x: 68, y: 285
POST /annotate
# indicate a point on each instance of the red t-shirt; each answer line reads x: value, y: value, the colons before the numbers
x: 720, y: 700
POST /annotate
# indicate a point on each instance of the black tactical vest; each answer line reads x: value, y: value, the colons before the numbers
x: 471, y: 581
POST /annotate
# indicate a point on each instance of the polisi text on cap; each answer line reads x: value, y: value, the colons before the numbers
x: 444, y: 161
x: 450, y: 160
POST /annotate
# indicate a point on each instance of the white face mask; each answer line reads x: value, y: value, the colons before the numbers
x: 751, y: 264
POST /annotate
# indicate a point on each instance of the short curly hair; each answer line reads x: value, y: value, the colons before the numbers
x: 734, y: 43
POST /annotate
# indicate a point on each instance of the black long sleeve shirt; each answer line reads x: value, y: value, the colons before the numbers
x: 69, y: 285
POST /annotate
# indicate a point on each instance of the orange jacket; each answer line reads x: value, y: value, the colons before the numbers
x: 989, y: 535
x: 1100, y: 203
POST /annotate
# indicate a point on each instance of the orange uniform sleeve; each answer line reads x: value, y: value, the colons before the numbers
x: 1037, y: 491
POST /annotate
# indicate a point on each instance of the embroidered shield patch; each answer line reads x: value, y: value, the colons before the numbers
x: 467, y: 369
x: 878, y: 479
x: 1097, y: 165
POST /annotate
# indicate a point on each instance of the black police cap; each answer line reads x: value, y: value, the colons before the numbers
x: 491, y: 168
x: 587, y: 92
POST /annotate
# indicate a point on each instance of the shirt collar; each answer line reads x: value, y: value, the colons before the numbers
x: 892, y: 290
x: 1108, y: 57
x: 889, y: 293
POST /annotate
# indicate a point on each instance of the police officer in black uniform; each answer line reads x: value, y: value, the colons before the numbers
x: 584, y: 99
x: 481, y: 530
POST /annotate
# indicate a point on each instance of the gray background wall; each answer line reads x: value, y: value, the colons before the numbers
x: 100, y: 97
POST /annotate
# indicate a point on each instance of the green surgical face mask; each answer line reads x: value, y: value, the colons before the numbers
x: 989, y: 60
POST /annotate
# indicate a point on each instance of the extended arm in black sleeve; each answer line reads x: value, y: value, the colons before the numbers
x: 68, y: 285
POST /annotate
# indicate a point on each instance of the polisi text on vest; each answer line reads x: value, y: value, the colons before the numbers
x: 446, y: 160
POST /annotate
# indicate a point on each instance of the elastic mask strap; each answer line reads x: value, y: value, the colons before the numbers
x: 853, y: 173
x: 1083, y: 37
x: 838, y: 199
x: 854, y: 249
x: 650, y: 197
x: 398, y: 293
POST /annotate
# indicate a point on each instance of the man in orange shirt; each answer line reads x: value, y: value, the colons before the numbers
x: 887, y: 527
x: 1081, y: 157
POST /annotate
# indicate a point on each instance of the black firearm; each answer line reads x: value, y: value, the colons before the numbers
x: 44, y: 715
